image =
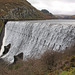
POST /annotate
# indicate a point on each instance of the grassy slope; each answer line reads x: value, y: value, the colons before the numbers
x: 1, y: 25
x: 71, y: 71
x: 50, y: 63
x: 7, y: 5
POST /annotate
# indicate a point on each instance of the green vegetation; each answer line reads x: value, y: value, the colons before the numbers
x: 50, y: 63
x: 48, y: 14
x: 45, y: 11
x: 19, y: 9
x: 71, y: 71
x: 1, y: 25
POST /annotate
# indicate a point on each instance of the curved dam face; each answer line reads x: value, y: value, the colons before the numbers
x: 33, y: 38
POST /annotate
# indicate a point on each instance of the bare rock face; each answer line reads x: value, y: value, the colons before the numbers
x: 33, y: 38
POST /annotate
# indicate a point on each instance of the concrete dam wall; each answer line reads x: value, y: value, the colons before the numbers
x: 33, y: 38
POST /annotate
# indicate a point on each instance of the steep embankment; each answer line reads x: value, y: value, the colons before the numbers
x: 19, y: 9
x: 2, y: 35
x: 1, y: 25
x: 2, y: 28
x: 35, y: 37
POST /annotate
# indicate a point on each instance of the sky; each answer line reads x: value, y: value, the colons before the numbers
x: 64, y: 7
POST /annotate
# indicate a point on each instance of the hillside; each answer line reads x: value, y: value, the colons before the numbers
x: 65, y: 16
x: 50, y: 63
x: 48, y: 14
x: 73, y: 16
x: 19, y: 9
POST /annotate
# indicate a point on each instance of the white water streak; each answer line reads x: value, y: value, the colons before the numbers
x: 35, y: 37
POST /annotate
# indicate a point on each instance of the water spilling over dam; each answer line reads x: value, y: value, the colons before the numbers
x: 35, y: 37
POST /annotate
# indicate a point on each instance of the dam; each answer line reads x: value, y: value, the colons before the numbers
x: 33, y: 38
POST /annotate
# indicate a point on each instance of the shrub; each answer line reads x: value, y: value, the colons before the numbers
x: 50, y: 63
x: 50, y: 59
x: 72, y: 59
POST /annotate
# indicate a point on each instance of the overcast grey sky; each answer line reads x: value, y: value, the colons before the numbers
x: 55, y: 6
